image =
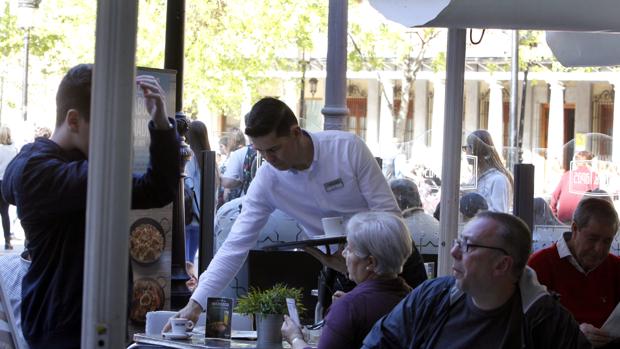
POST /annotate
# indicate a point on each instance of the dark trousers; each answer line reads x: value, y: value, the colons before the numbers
x: 6, y: 221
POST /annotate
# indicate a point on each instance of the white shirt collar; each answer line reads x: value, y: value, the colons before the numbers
x: 564, y: 252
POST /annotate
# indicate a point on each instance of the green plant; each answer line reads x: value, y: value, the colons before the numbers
x: 270, y: 301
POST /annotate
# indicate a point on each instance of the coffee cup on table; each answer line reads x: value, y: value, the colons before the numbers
x: 333, y: 226
x: 181, y: 325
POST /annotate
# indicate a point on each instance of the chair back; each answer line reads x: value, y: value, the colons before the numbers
x: 10, y: 337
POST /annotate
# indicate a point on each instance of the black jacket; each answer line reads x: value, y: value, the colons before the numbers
x: 48, y: 186
x: 537, y: 320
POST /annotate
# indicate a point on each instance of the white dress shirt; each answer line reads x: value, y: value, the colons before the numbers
x: 343, y: 179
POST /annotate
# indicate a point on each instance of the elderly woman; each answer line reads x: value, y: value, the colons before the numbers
x: 494, y: 180
x: 378, y: 243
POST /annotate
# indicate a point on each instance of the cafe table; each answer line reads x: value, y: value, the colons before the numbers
x: 199, y: 341
x: 321, y: 240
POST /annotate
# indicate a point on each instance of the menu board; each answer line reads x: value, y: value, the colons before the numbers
x: 150, y: 235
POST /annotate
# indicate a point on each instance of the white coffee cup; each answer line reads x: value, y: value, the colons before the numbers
x: 181, y: 325
x: 333, y: 225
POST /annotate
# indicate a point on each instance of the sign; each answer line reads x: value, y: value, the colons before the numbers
x: 150, y: 234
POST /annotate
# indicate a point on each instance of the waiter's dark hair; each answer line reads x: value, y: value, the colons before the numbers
x: 268, y: 115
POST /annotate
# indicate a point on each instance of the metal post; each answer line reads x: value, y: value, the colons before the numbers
x: 514, y: 98
x: 207, y: 211
x: 174, y: 54
x: 335, y: 109
x: 302, y: 97
x: 175, y: 45
x: 104, y: 304
x: 179, y: 293
x: 450, y: 166
x: 25, y: 89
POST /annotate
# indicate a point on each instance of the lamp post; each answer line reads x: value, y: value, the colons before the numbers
x: 313, y: 85
x: 302, y: 98
x: 26, y: 10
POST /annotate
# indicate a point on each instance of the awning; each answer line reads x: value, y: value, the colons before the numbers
x: 576, y: 49
x: 558, y: 15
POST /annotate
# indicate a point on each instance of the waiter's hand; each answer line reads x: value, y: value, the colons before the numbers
x: 334, y: 261
x: 191, y: 312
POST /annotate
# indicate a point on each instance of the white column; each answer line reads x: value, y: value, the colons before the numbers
x: 373, y: 105
x: 615, y: 152
x: 439, y: 101
x: 450, y: 170
x: 472, y: 105
x: 496, y: 114
x: 583, y: 106
x: 420, y: 109
x: 555, y: 130
x: 386, y: 119
x: 104, y: 303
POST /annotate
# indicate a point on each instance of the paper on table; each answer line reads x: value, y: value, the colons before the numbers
x: 612, y: 325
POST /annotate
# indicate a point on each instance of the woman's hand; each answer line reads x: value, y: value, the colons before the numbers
x: 292, y: 333
x: 337, y: 295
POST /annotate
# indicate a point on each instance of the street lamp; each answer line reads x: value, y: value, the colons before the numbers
x: 25, y: 21
x: 302, y: 98
x: 313, y: 85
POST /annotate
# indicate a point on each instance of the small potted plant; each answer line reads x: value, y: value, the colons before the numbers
x: 268, y: 307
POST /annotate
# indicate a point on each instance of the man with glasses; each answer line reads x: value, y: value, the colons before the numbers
x: 491, y: 301
x: 581, y: 270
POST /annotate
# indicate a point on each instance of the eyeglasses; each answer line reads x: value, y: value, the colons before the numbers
x: 465, y: 246
x: 347, y: 250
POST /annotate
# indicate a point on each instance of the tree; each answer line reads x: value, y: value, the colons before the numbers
x: 233, y: 45
x: 43, y: 40
x: 371, y: 47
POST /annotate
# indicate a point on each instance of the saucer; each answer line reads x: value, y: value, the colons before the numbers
x: 318, y: 237
x: 170, y: 335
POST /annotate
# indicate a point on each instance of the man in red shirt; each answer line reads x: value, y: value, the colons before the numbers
x: 580, y: 268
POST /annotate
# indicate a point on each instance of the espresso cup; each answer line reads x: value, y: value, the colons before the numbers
x: 180, y: 325
x: 333, y: 225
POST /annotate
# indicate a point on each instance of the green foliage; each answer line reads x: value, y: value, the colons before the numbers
x: 9, y: 37
x: 271, y: 301
x: 439, y: 62
x: 232, y: 45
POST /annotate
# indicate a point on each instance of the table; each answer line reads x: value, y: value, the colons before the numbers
x: 199, y: 341
x: 319, y: 241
